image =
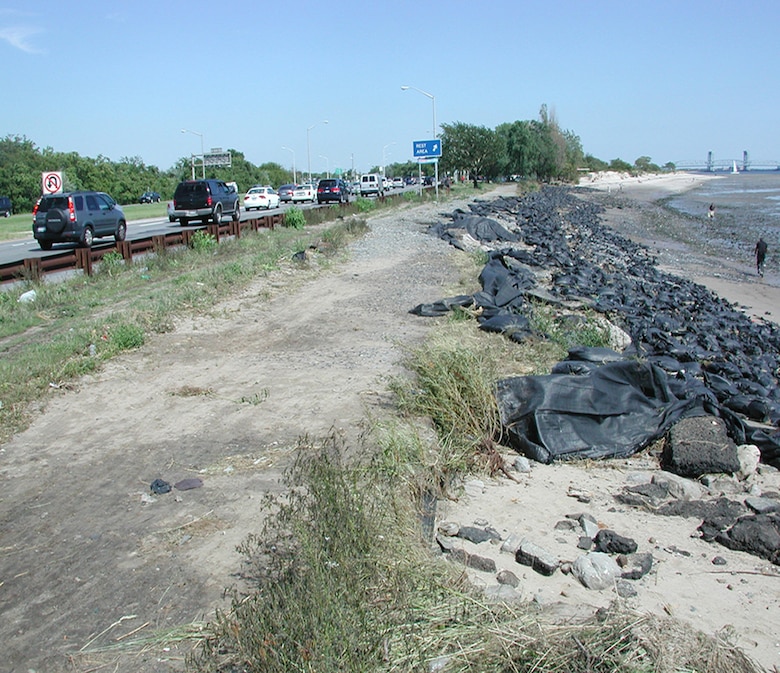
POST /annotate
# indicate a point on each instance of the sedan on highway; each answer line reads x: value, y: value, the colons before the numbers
x: 261, y: 197
x: 286, y: 192
x: 304, y: 193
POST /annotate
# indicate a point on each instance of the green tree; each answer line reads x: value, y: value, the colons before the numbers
x: 620, y: 165
x: 476, y: 150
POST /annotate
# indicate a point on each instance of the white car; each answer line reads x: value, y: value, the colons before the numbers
x: 398, y: 183
x: 261, y: 197
x: 304, y: 193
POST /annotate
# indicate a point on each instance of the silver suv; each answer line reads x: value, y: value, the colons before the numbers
x: 77, y: 217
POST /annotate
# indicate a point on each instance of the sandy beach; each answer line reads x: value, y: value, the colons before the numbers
x: 714, y: 589
x: 681, y: 248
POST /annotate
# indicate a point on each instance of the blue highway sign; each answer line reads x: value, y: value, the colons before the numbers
x: 426, y: 148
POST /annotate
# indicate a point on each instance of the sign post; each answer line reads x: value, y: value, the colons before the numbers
x: 428, y: 151
x: 51, y: 182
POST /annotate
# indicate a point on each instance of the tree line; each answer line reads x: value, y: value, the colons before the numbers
x: 22, y: 163
x: 537, y: 149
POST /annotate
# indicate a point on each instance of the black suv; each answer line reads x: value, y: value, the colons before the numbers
x: 77, y: 217
x: 5, y: 206
x: 332, y: 189
x: 204, y: 200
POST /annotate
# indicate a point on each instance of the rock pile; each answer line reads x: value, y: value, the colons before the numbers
x: 552, y: 246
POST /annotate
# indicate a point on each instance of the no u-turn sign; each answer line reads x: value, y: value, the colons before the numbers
x: 51, y: 182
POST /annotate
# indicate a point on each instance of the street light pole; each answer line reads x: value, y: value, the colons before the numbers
x: 384, y: 172
x: 308, y: 145
x: 327, y: 164
x: 202, y: 156
x: 433, y: 101
x: 295, y: 179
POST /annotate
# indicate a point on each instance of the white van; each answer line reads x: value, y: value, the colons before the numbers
x: 371, y: 183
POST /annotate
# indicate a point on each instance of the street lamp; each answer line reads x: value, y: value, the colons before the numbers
x: 308, y: 145
x: 327, y: 164
x: 202, y: 158
x: 433, y: 101
x: 384, y: 172
x: 295, y: 179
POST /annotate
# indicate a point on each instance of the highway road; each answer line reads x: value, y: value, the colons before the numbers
x: 14, y: 251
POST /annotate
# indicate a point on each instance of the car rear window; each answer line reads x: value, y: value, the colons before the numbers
x: 50, y: 202
x: 190, y: 188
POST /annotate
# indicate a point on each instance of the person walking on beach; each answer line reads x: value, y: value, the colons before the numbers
x: 761, y: 248
x: 711, y: 211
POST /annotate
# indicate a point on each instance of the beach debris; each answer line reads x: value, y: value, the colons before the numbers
x: 704, y: 355
x: 160, y: 486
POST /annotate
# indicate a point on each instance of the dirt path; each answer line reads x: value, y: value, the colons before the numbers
x: 88, y: 555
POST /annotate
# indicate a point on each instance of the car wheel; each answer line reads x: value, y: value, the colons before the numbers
x: 87, y: 237
x: 45, y: 245
x: 121, y: 232
x: 184, y: 221
x: 237, y: 213
x: 216, y: 218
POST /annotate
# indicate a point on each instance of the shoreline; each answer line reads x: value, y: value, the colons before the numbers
x: 679, y: 242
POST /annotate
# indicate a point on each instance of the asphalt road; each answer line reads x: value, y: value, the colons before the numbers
x: 15, y: 251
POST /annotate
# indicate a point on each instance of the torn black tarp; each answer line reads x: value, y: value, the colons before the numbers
x: 611, y: 411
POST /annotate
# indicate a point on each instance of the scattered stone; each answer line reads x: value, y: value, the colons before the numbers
x: 160, y: 486
x: 700, y: 445
x: 635, y: 566
x: 474, y: 561
x: 757, y: 534
x: 762, y: 505
x: 507, y: 577
x: 481, y: 522
x: 589, y: 525
x: 749, y: 457
x: 533, y: 555
x: 625, y: 589
x: 610, y: 542
x: 188, y: 484
x: 474, y: 487
x: 446, y: 544
x: 522, y: 464
x: 449, y: 528
x: 596, y: 570
x: 503, y: 593
x: 477, y: 535
x: 678, y: 487
x: 511, y: 544
x: 585, y: 543
x: 718, y: 561
x: 565, y: 524
x: 578, y: 493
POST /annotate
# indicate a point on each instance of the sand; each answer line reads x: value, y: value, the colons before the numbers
x: 739, y: 599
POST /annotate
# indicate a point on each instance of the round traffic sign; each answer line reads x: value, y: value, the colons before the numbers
x: 52, y: 182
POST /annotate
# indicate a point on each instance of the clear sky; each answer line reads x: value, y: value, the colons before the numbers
x: 668, y: 79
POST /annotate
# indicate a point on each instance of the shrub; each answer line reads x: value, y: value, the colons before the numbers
x: 365, y: 205
x: 202, y: 241
x: 112, y: 262
x: 294, y: 218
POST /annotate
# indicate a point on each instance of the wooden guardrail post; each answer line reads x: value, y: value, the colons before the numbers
x: 84, y: 260
x: 124, y: 249
x: 213, y: 229
x: 32, y: 268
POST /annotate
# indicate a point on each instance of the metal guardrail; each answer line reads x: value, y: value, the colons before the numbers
x: 35, y: 268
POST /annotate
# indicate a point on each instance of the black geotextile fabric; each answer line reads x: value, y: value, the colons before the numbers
x: 609, y: 410
x: 709, y: 351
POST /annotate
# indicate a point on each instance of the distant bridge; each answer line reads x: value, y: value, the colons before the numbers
x: 744, y: 164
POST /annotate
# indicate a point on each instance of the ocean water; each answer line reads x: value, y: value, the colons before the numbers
x: 747, y: 206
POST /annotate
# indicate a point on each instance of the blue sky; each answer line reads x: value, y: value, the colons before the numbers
x: 667, y: 79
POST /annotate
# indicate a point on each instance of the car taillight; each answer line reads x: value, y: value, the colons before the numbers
x: 71, y: 210
x: 209, y: 202
x: 35, y: 208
